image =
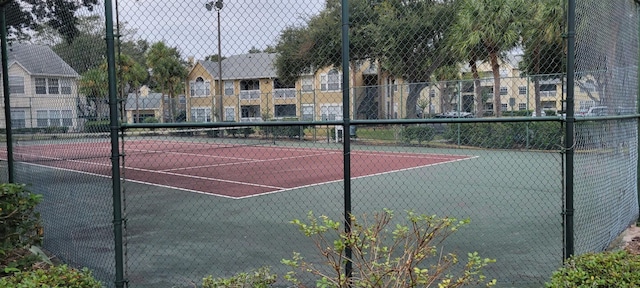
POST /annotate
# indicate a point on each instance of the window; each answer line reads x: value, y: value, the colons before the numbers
x: 288, y: 110
x: 52, y: 118
x: 18, y: 119
x: 200, y: 88
x: 229, y: 114
x: 250, y: 89
x: 307, y: 112
x: 522, y: 106
x: 522, y: 90
x: 201, y: 114
x: 548, y: 105
x: 432, y: 93
x: 139, y: 118
x: 284, y: 90
x: 488, y: 106
x: 228, y: 88
x: 547, y: 89
x: 307, y: 84
x: 504, y: 73
x: 41, y: 86
x: 16, y: 85
x: 250, y: 112
x: 65, y: 86
x: 331, y: 81
x: 331, y: 111
x: 53, y: 86
x: 504, y: 91
x: 504, y: 106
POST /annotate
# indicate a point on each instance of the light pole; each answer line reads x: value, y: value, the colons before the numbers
x: 217, y: 5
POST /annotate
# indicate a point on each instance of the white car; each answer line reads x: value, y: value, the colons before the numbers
x: 596, y: 111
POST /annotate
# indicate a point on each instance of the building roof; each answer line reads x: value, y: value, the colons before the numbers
x: 148, y: 102
x: 244, y: 66
x: 39, y: 60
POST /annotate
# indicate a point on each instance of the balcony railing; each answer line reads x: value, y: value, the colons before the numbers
x: 284, y: 93
x: 249, y: 94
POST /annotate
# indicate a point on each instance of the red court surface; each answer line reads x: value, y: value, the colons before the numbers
x: 223, y: 170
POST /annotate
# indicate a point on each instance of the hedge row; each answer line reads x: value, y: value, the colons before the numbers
x: 535, y: 135
x: 47, y: 130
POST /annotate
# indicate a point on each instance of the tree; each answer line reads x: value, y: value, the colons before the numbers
x: 168, y: 71
x: 25, y: 16
x: 130, y: 76
x: 411, y: 42
x: 543, y: 44
x: 487, y: 28
x: 318, y: 44
x: 94, y: 84
x: 603, y: 50
x: 213, y: 58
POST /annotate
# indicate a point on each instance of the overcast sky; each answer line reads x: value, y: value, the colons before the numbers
x: 189, y: 26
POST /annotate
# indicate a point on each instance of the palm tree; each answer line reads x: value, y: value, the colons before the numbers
x: 131, y: 75
x: 95, y: 85
x: 483, y: 30
x: 543, y: 44
x: 168, y: 71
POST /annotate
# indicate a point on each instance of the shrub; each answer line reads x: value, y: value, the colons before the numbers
x: 244, y: 131
x: 257, y: 279
x: 537, y: 135
x: 56, y: 276
x: 150, y: 120
x: 97, y: 126
x: 19, y: 222
x: 385, y: 254
x: 417, y: 133
x: 607, y: 269
x: 19, y: 227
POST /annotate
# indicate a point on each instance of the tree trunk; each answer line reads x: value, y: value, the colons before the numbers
x: 412, y: 98
x: 495, y: 68
x: 536, y: 82
x: 477, y: 89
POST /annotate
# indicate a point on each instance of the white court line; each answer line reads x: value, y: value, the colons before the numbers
x: 279, y: 189
x: 352, y: 178
x: 246, y: 162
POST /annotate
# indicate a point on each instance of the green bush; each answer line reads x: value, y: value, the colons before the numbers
x: 386, y: 253
x: 256, y: 279
x: 244, y: 131
x: 46, y: 130
x: 56, y: 276
x: 97, y: 126
x: 150, y: 120
x: 534, y: 135
x: 607, y: 269
x: 285, y: 131
x: 417, y: 133
x: 19, y: 222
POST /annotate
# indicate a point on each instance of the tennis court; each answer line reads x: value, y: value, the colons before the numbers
x: 225, y: 169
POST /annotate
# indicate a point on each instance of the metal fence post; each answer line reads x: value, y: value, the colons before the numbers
x: 115, y: 148
x: 569, y: 147
x: 7, y: 100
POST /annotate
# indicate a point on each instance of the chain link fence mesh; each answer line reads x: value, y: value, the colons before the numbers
x: 430, y: 85
x: 606, y: 150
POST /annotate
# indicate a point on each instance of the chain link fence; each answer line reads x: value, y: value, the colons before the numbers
x: 236, y: 117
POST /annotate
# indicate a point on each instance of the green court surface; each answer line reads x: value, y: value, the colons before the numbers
x: 174, y: 238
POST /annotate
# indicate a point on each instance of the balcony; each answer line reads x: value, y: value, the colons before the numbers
x: 250, y: 94
x: 287, y: 93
